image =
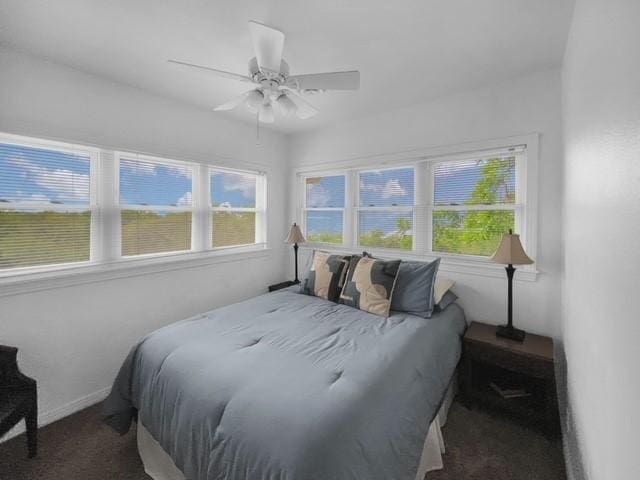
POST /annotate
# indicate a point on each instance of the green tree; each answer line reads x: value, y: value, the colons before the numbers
x: 401, y: 238
x: 478, y: 232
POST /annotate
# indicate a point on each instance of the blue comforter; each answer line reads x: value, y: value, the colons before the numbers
x: 287, y: 386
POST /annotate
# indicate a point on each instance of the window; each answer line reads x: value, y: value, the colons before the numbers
x: 234, y: 206
x: 156, y: 206
x: 65, y: 205
x: 474, y: 203
x: 455, y: 205
x: 385, y: 214
x: 324, y: 206
x: 45, y: 205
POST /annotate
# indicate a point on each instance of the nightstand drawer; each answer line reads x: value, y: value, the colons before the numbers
x: 508, y: 360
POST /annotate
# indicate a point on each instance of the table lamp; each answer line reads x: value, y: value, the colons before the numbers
x: 510, y: 253
x: 295, y: 237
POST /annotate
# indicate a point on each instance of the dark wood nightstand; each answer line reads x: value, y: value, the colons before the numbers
x: 281, y: 285
x: 516, y: 378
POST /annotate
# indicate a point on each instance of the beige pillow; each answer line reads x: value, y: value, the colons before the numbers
x: 369, y: 284
x: 441, y: 287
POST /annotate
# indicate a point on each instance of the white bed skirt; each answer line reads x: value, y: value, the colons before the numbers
x: 159, y: 466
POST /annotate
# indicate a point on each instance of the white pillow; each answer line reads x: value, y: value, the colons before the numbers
x: 441, y: 287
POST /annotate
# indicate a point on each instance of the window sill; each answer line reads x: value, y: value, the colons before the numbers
x: 34, y: 281
x: 462, y: 264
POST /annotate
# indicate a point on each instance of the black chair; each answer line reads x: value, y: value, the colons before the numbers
x: 18, y: 398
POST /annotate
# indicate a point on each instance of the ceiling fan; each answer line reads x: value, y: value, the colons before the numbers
x: 274, y: 89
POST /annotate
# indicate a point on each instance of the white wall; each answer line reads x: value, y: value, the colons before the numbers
x: 73, y: 340
x: 521, y: 106
x: 601, y: 328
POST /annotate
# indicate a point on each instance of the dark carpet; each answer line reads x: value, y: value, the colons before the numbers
x: 479, y: 447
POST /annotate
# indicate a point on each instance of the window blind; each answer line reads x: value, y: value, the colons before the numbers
x: 386, y: 208
x: 475, y: 182
x: 324, y: 208
x: 234, y: 204
x: 45, y: 213
x: 156, y: 206
x: 474, y: 204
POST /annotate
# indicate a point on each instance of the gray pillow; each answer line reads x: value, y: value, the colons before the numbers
x: 413, y: 292
x: 325, y: 275
x: 447, y: 299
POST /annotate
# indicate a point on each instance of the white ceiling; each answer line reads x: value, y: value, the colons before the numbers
x: 406, y: 51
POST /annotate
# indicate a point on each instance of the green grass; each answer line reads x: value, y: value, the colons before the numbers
x: 30, y: 239
x: 233, y: 228
x: 43, y: 238
x: 146, y: 232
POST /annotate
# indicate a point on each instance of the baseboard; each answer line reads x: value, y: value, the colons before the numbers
x: 70, y: 408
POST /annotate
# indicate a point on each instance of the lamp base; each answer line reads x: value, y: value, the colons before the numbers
x: 506, y: 331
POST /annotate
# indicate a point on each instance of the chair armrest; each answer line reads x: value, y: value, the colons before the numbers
x: 4, y: 349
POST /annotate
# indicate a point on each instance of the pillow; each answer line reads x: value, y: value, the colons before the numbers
x: 447, y: 299
x: 414, y: 288
x: 441, y: 287
x: 325, y: 276
x: 369, y: 284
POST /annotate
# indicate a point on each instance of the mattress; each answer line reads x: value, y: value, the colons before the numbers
x: 287, y: 386
x: 159, y: 465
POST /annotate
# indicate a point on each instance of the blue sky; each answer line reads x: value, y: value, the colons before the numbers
x: 39, y: 175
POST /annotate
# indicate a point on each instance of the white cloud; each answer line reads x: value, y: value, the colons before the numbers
x: 185, y: 199
x: 243, y: 183
x: 447, y: 169
x: 137, y: 167
x: 38, y: 197
x: 318, y: 196
x: 179, y: 171
x: 393, y: 189
x: 64, y: 185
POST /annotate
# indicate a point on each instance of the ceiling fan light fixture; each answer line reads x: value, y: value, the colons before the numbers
x: 265, y: 114
x: 286, y: 105
x: 254, y: 100
x: 274, y: 90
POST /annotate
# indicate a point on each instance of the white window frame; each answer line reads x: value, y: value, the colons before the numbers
x: 526, y: 148
x: 106, y: 261
x: 259, y: 209
x: 401, y: 208
x: 518, y: 208
x: 91, y: 206
x: 195, y: 225
x: 348, y: 200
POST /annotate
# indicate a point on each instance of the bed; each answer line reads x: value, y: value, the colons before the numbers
x: 288, y: 386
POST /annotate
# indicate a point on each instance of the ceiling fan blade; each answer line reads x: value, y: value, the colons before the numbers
x: 326, y: 81
x: 304, y: 109
x: 233, y: 103
x: 220, y: 73
x: 268, y: 44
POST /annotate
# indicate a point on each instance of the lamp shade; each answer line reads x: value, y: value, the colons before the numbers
x: 265, y: 113
x: 510, y: 251
x: 295, y: 235
x: 286, y: 105
x: 254, y: 100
